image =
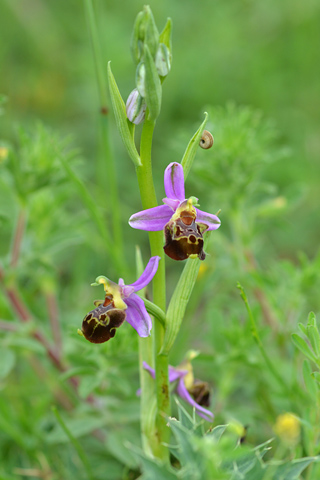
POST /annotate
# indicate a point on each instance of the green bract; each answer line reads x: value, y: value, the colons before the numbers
x: 122, y: 122
x: 153, y: 90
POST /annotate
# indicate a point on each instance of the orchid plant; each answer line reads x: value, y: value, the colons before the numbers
x: 177, y: 228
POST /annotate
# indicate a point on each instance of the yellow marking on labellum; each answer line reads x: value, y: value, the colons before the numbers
x: 186, y: 207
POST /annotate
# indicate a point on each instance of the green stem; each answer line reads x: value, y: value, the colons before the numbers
x: 154, y: 310
x: 79, y: 449
x: 106, y: 169
x: 149, y: 200
x: 258, y: 341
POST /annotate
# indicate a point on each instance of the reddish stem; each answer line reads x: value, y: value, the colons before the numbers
x: 15, y: 252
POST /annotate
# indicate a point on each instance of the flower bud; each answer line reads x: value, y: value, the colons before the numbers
x: 141, y: 79
x: 136, y: 107
x: 138, y: 37
x: 151, y: 38
x: 163, y: 60
x: 144, y: 32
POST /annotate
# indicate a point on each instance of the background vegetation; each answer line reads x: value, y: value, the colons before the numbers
x: 253, y: 66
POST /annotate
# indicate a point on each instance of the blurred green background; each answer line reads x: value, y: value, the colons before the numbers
x: 254, y: 66
x: 262, y: 54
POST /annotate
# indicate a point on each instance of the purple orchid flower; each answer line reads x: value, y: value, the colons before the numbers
x: 120, y: 304
x: 181, y: 389
x: 182, y: 222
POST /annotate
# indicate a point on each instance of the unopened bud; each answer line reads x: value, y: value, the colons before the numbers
x: 136, y: 107
x: 141, y: 79
x: 163, y: 60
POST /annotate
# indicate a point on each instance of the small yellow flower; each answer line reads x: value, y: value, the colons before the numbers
x: 3, y: 153
x: 202, y: 270
x: 287, y: 428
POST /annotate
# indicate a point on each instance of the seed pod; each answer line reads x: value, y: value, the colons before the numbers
x: 206, y: 140
x: 99, y: 325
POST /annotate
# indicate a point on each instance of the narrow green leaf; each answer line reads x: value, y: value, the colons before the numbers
x: 302, y: 328
x: 313, y: 336
x: 312, y: 319
x: 184, y: 418
x: 188, y: 455
x: 192, y: 147
x: 75, y: 443
x: 217, y: 432
x: 166, y: 34
x: 316, y: 376
x: 8, y: 360
x: 178, y: 303
x: 303, y: 347
x: 122, y: 122
x: 152, y: 468
x: 152, y: 85
x: 309, y: 380
x: 292, y: 470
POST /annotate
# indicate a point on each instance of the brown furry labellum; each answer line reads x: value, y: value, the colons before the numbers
x: 201, y: 393
x: 183, y: 237
x: 206, y: 140
x: 100, y: 324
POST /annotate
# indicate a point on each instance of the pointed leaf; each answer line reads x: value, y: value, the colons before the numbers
x: 179, y: 302
x: 122, y: 122
x: 313, y: 336
x: 302, y: 328
x: 217, y: 432
x: 309, y: 380
x: 303, y: 347
x: 165, y: 35
x: 292, y: 470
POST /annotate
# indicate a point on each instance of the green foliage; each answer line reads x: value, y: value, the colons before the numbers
x: 263, y: 175
x: 217, y: 454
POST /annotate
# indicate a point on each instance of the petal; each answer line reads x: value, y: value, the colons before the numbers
x: 152, y: 219
x: 147, y: 276
x: 172, y: 203
x: 138, y: 316
x: 212, y: 221
x: 174, y: 181
x: 183, y: 393
x: 149, y: 369
x: 175, y: 374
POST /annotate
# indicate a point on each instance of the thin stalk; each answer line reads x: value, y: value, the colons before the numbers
x: 16, y: 245
x: 147, y: 397
x: 258, y: 341
x: 53, y: 314
x: 149, y: 200
x: 79, y: 449
x: 106, y: 169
